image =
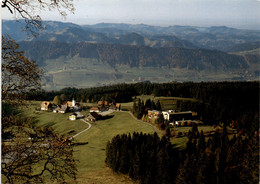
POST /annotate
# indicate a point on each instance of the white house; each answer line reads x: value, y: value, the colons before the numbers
x: 73, y: 117
x: 94, y: 109
x: 166, y: 115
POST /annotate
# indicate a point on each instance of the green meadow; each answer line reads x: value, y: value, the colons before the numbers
x: 90, y: 154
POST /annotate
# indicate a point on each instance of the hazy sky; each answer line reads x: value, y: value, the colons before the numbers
x: 233, y: 13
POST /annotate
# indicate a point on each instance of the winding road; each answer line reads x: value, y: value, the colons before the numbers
x: 89, y: 126
x: 108, y: 112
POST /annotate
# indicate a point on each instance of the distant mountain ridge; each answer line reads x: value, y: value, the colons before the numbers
x: 214, y: 38
x: 102, y: 54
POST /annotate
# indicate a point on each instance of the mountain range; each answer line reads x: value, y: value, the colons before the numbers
x: 107, y: 53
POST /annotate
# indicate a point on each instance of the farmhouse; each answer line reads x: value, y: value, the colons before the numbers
x: 76, y: 115
x: 94, y: 109
x: 166, y: 114
x: 45, y: 106
x: 93, y: 116
x: 187, y: 115
x: 61, y: 109
x: 79, y: 115
x: 73, y: 117
x: 72, y: 105
x: 172, y: 116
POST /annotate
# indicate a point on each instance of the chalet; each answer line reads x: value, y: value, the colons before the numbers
x: 79, y: 115
x: 93, y: 116
x: 45, y: 106
x: 56, y: 110
x: 177, y: 116
x: 61, y: 109
x: 94, y: 109
x: 72, y: 105
x: 73, y: 117
x: 76, y: 115
x: 166, y: 114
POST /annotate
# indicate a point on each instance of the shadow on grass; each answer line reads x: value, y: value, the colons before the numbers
x: 106, y: 117
x: 79, y: 143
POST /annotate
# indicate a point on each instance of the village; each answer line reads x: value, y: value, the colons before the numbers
x: 103, y: 108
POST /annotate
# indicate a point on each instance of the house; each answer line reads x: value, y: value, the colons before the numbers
x: 45, y: 106
x: 72, y: 105
x: 177, y: 116
x: 56, y: 110
x: 73, y: 117
x: 94, y: 109
x: 76, y: 115
x: 166, y: 115
x: 79, y: 115
x: 63, y: 109
x: 93, y: 116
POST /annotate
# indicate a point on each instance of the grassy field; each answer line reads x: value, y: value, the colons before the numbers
x: 60, y: 122
x: 91, y: 155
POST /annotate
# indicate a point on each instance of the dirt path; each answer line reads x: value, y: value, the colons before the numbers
x: 109, y: 112
x: 89, y: 126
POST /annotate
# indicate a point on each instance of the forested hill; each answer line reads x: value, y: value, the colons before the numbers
x: 245, y: 47
x: 214, y: 38
x: 135, y: 56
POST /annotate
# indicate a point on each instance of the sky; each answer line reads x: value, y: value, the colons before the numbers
x: 232, y: 13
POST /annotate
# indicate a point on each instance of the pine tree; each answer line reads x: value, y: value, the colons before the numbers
x: 158, y: 106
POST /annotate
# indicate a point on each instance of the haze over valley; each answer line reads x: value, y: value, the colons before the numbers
x: 95, y: 55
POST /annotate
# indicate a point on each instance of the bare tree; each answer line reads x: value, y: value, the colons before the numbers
x: 19, y: 74
x: 28, y: 10
x: 35, y: 155
x: 32, y: 154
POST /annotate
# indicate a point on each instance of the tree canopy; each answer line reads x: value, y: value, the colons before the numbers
x: 19, y: 74
x: 34, y: 154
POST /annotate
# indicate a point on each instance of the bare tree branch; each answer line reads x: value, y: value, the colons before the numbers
x: 29, y: 9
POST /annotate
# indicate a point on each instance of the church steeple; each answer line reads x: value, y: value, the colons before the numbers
x: 73, y: 102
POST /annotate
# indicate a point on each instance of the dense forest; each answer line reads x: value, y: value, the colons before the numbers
x: 217, y: 160
x: 136, y: 56
x: 216, y: 102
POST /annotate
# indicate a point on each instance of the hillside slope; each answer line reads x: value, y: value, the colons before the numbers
x: 136, y: 56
